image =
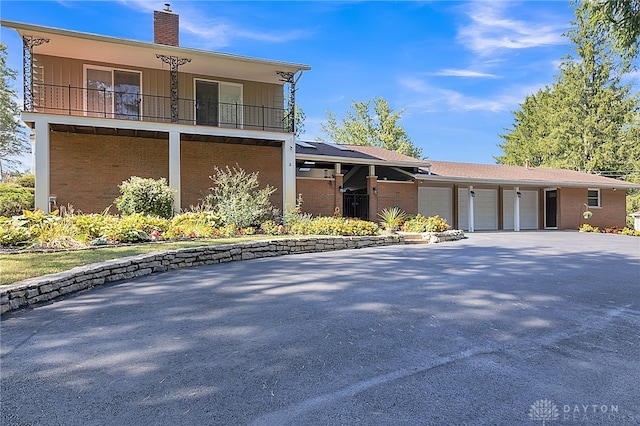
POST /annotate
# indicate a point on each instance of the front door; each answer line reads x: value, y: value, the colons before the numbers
x: 551, y: 208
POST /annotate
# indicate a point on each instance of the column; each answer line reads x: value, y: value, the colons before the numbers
x: 372, y: 182
x: 289, y: 172
x: 339, y: 182
x: 472, y: 195
x: 516, y: 209
x: 173, y: 62
x: 41, y: 170
x: 174, y: 170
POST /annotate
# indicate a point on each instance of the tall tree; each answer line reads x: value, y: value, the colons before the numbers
x: 12, y: 136
x: 622, y: 18
x: 362, y: 126
x: 588, y: 120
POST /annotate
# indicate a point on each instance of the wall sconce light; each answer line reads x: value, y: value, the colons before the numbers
x: 375, y: 190
x: 519, y: 194
x: 341, y: 189
x: 473, y: 193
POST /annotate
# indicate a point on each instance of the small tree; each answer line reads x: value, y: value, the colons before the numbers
x: 12, y: 136
x: 148, y: 196
x: 237, y: 197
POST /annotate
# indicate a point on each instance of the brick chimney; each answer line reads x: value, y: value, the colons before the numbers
x: 165, y: 26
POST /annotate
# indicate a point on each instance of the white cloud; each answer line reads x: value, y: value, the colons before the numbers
x: 464, y: 73
x: 491, y: 30
x: 423, y: 97
x: 216, y: 33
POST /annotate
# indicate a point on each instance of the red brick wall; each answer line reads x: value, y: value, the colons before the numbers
x: 197, y: 161
x: 571, y: 207
x: 404, y: 195
x: 317, y: 195
x: 87, y: 169
x: 165, y: 28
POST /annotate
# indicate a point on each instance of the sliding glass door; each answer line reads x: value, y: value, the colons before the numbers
x: 112, y: 93
x: 218, y: 104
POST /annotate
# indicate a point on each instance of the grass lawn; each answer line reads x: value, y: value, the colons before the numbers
x: 16, y: 267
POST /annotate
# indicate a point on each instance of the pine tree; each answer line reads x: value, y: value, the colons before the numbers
x: 588, y: 120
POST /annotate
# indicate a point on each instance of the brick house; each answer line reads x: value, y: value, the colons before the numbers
x: 360, y: 181
x: 103, y: 109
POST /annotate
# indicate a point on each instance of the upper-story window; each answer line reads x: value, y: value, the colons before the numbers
x: 112, y: 93
x: 218, y: 103
x: 593, y: 198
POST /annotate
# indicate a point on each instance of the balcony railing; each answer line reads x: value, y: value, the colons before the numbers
x: 79, y: 101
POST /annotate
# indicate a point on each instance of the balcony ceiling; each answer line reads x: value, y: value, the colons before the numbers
x: 131, y: 53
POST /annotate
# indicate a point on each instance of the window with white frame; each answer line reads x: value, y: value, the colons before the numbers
x: 593, y: 198
x: 112, y: 93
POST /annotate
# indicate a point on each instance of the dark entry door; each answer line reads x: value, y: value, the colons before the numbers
x: 551, y: 208
x: 206, y: 103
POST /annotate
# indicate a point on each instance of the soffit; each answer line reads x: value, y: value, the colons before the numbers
x: 91, y: 47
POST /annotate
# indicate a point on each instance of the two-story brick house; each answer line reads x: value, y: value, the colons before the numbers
x: 103, y: 109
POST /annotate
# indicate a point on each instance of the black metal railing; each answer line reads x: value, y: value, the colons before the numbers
x: 355, y: 205
x: 102, y: 103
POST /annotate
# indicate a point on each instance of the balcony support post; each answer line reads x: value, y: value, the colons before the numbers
x: 41, y: 169
x: 289, y: 172
x: 174, y: 169
x: 173, y: 62
x: 28, y: 43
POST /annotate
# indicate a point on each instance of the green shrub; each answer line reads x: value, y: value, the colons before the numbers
x: 133, y: 228
x: 15, y: 199
x: 334, y: 226
x: 392, y: 218
x: 13, y: 232
x: 426, y: 224
x: 150, y: 196
x: 269, y: 227
x: 629, y: 231
x: 59, y: 234
x: 200, y: 224
x: 237, y: 197
x: 90, y: 225
x: 26, y: 181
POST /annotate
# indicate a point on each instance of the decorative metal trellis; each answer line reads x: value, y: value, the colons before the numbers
x: 173, y: 62
x: 28, y: 43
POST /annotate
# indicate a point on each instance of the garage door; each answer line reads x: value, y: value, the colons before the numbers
x: 436, y: 201
x: 528, y: 209
x: 485, y: 207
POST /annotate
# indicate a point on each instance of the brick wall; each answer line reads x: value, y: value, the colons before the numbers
x: 87, y: 169
x: 197, y: 161
x: 404, y: 195
x: 571, y: 207
x: 165, y: 28
x: 318, y: 196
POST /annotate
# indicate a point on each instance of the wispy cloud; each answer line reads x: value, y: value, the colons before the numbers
x: 492, y: 30
x: 424, y: 97
x: 463, y: 73
x: 215, y: 33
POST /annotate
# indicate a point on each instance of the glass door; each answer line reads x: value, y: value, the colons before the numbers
x: 231, y: 105
x: 98, y: 100
x: 126, y: 96
x: 206, y: 103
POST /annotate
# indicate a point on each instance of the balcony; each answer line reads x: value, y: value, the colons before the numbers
x: 96, y: 103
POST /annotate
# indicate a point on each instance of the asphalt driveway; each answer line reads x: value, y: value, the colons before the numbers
x: 501, y: 328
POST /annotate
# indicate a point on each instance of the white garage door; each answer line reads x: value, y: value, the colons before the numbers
x: 485, y: 207
x: 436, y: 201
x: 528, y: 209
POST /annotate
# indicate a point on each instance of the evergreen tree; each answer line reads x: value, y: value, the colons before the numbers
x: 12, y: 136
x: 361, y: 126
x: 588, y: 120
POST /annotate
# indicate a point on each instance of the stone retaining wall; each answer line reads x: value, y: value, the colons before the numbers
x: 42, y: 289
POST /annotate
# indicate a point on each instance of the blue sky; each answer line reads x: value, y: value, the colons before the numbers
x: 457, y: 69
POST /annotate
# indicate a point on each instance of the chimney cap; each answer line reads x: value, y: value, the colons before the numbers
x: 167, y: 7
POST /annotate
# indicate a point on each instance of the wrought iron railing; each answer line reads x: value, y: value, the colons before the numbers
x: 355, y: 205
x: 102, y: 103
